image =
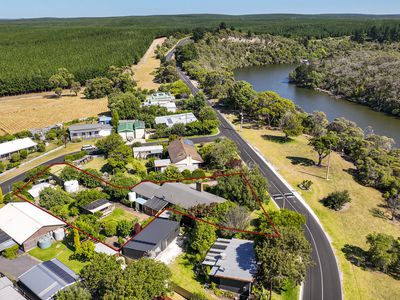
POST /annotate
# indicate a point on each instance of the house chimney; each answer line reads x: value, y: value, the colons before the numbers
x: 199, y: 186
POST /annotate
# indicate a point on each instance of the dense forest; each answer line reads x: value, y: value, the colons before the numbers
x: 368, y: 76
x: 32, y: 50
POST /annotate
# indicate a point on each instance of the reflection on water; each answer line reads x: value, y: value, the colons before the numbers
x: 275, y: 78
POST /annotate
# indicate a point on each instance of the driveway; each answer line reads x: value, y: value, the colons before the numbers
x: 16, y: 267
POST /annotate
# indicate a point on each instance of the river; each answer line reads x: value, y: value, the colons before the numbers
x: 275, y: 78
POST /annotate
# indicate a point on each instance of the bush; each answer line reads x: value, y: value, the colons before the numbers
x: 11, y: 252
x: 23, y: 154
x: 110, y: 228
x: 337, y: 200
x: 124, y: 228
x: 41, y: 147
x: 306, y: 185
x: 2, y: 167
x: 15, y: 157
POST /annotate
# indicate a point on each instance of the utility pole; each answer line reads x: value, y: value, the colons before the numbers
x: 241, y: 120
x: 329, y: 161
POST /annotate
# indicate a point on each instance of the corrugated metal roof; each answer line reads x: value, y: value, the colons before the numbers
x: 20, y: 220
x: 96, y: 204
x: 88, y: 127
x: 156, y: 204
x: 130, y: 125
x: 234, y: 259
x: 146, y: 189
x: 16, y: 145
x: 47, y: 278
x: 152, y: 234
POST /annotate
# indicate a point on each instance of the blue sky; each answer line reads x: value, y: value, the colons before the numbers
x: 91, y: 8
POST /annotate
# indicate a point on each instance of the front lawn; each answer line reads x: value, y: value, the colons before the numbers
x: 61, y: 252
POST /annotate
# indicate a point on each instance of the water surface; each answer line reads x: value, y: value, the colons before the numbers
x: 275, y: 78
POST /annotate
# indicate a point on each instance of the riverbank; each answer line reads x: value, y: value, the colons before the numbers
x: 275, y: 78
x: 347, y: 228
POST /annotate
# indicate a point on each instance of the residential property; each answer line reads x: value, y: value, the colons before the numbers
x: 26, y: 223
x: 46, y: 279
x: 152, y: 240
x: 9, y: 148
x: 147, y: 151
x: 162, y: 99
x: 101, y: 205
x: 171, y: 120
x: 89, y: 131
x: 132, y: 130
x: 105, y: 120
x: 171, y: 193
x: 182, y: 154
x: 8, y: 291
x: 233, y: 264
x: 37, y: 188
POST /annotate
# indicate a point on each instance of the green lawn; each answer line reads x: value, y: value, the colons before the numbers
x: 349, y: 226
x: 183, y: 275
x: 61, y: 252
x: 119, y: 214
x: 96, y: 163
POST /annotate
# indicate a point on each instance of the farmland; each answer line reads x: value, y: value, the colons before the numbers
x: 20, y: 113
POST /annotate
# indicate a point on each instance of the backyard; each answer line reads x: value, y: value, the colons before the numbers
x: 293, y: 160
x: 60, y: 251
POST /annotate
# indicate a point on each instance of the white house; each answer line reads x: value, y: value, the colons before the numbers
x: 89, y: 131
x: 11, y: 147
x: 171, y: 120
x: 147, y: 151
x: 132, y: 130
x: 182, y: 154
x: 162, y: 99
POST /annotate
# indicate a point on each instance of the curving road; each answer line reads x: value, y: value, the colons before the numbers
x: 322, y: 281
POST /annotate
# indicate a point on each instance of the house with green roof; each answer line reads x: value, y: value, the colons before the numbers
x: 132, y: 130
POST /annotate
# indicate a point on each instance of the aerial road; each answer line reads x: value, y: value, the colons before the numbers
x: 323, y: 281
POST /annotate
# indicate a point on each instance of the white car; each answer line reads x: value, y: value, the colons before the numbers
x: 88, y: 148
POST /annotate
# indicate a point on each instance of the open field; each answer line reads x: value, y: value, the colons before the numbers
x: 349, y: 226
x: 32, y: 111
x: 146, y: 66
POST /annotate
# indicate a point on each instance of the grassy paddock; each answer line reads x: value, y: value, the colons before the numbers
x: 347, y: 227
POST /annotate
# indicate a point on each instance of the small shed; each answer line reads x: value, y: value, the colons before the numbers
x: 154, y: 205
x: 37, y: 188
x: 101, y: 205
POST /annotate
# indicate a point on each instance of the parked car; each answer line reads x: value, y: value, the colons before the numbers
x: 88, y: 148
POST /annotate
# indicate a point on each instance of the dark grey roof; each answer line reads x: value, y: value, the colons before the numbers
x: 46, y: 279
x: 183, y: 195
x: 146, y: 189
x: 5, y: 241
x: 157, y: 231
x: 4, y: 237
x: 88, y: 127
x: 95, y: 204
x: 156, y: 204
x: 233, y: 259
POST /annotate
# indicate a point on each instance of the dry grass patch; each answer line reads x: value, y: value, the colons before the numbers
x: 349, y: 226
x: 32, y: 111
x: 146, y: 66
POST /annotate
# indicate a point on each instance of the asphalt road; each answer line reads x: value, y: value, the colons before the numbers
x: 323, y: 280
x: 6, y: 186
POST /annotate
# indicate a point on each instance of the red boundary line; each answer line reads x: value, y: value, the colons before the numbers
x: 274, y: 235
